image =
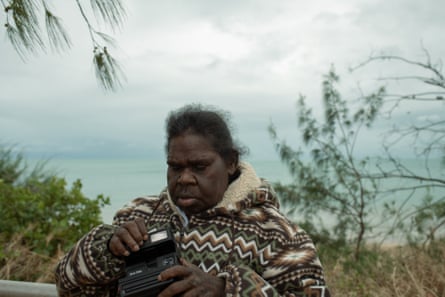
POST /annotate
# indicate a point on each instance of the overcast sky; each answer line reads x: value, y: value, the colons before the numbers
x: 252, y: 58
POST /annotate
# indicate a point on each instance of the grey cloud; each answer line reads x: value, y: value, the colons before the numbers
x: 62, y: 109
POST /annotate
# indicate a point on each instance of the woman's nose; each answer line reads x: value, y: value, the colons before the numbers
x: 186, y: 177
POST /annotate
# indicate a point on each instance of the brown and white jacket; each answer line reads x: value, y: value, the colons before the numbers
x: 245, y: 239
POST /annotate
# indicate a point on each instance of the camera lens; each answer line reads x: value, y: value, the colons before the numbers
x: 168, y: 261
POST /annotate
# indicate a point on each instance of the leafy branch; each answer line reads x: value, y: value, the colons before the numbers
x: 352, y: 191
x: 25, y: 33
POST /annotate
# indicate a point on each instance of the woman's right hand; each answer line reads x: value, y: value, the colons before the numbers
x: 128, y: 238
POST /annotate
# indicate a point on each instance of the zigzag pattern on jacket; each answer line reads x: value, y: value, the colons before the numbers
x: 255, y: 235
x: 246, y: 240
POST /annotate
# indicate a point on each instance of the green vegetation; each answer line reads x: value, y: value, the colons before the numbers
x: 24, y: 31
x: 331, y: 178
x: 332, y: 181
x: 40, y: 215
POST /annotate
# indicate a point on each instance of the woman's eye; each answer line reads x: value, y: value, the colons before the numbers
x: 200, y: 167
x: 174, y: 167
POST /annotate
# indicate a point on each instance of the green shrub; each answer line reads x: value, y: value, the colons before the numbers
x: 41, y: 208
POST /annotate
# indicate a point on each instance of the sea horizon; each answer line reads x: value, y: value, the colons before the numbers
x: 123, y: 179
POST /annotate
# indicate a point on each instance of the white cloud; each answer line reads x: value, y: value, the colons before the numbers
x: 250, y: 57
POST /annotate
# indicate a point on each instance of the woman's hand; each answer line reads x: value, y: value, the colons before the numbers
x: 191, y: 282
x: 128, y: 238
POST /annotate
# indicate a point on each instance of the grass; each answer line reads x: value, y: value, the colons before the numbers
x: 389, y: 272
x: 19, y: 263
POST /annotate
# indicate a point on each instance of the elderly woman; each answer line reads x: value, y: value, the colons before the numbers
x: 231, y: 238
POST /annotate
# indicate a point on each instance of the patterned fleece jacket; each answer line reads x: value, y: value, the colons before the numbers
x: 244, y: 239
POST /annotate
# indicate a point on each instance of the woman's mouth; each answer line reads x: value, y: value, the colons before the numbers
x: 185, y: 201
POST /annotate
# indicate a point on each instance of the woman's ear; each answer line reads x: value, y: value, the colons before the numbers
x: 231, y: 168
x: 232, y: 164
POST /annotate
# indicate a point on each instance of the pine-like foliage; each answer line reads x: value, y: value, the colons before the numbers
x: 24, y: 27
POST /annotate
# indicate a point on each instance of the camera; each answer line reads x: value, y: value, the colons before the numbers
x: 143, y: 267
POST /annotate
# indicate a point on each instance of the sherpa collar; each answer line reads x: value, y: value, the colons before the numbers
x: 240, y: 187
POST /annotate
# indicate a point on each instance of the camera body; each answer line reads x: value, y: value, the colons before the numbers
x: 143, y: 267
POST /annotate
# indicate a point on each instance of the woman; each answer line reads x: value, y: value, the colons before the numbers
x: 231, y: 238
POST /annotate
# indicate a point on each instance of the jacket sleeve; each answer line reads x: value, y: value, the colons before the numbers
x: 290, y: 268
x: 89, y: 268
x: 241, y: 281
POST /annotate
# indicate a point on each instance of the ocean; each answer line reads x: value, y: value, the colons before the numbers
x: 125, y: 179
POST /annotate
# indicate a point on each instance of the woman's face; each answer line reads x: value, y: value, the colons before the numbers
x: 197, y: 175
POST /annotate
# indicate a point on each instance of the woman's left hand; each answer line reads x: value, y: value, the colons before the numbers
x: 191, y: 282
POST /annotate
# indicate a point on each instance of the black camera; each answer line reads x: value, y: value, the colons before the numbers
x: 143, y: 267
